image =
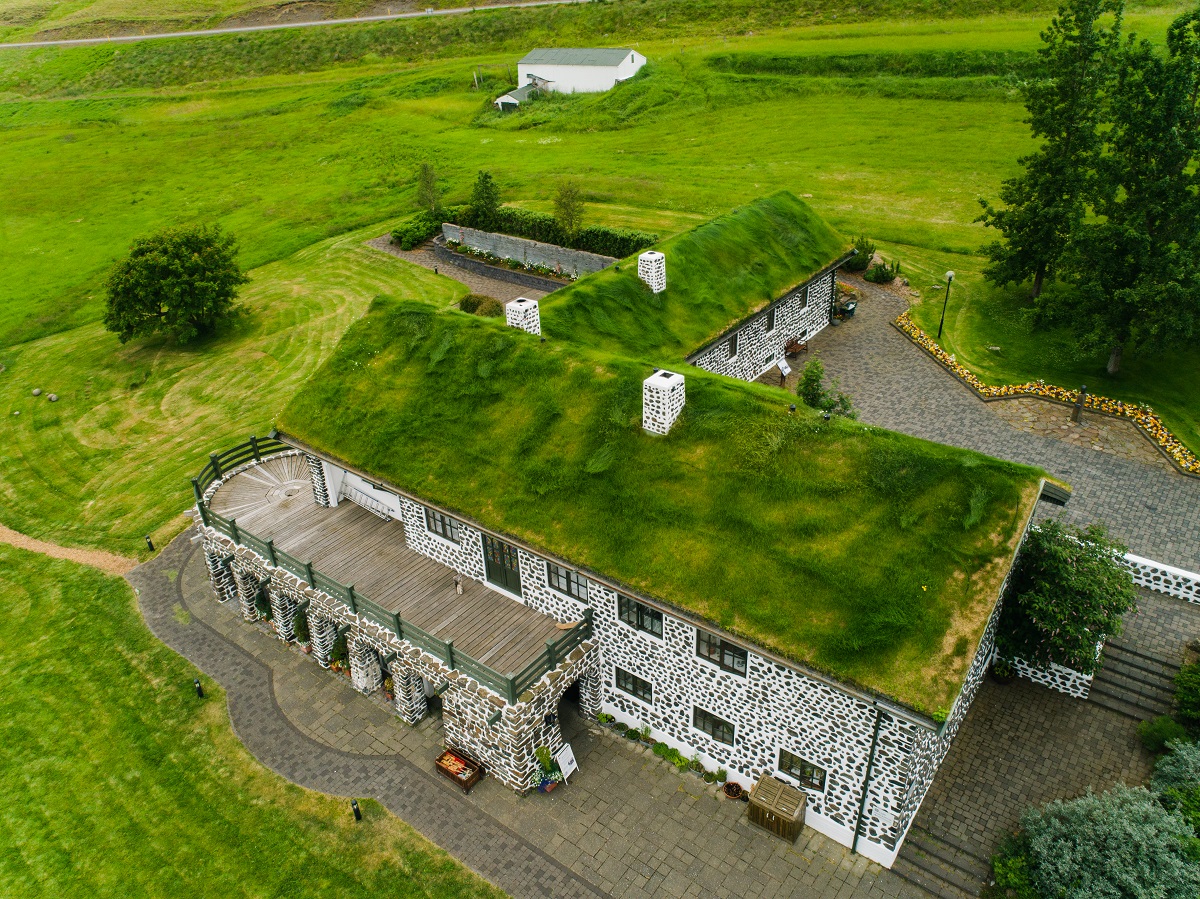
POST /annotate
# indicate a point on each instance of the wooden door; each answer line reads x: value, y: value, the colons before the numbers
x: 500, y: 561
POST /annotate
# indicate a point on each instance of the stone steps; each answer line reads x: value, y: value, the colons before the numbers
x: 1133, y: 683
x: 940, y: 867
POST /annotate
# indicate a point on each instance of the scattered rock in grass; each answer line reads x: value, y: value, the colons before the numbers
x: 993, y: 349
x: 53, y: 397
x: 37, y: 391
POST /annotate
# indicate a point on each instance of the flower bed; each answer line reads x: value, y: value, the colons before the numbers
x: 514, y: 264
x: 1142, y: 416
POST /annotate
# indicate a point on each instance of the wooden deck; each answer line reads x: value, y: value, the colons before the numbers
x: 274, y: 500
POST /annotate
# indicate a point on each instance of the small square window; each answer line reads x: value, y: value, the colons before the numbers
x: 635, y: 686
x: 806, y: 772
x: 717, y: 728
x: 564, y: 580
x: 443, y: 525
x: 639, y: 616
x: 771, y: 319
x: 721, y: 652
x: 731, y: 348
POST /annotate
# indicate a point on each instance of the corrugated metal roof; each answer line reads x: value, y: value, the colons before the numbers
x: 568, y: 56
x: 521, y: 93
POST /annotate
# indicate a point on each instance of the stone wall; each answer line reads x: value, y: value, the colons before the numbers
x: 799, y: 315
x: 524, y: 279
x: 1056, y: 677
x: 530, y: 252
x: 1164, y: 578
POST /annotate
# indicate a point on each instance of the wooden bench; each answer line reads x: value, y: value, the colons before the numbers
x: 794, y: 346
x: 460, y: 769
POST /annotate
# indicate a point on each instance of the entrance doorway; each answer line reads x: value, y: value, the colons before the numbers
x: 501, y: 565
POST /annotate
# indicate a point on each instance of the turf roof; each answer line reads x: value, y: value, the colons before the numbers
x: 717, y: 274
x: 871, y: 555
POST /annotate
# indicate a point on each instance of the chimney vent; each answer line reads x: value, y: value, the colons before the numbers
x: 523, y: 313
x: 662, y: 401
x: 652, y: 268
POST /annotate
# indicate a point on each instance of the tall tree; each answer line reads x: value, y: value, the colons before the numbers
x: 1043, y: 205
x: 568, y: 206
x: 1134, y: 263
x: 181, y: 282
x: 485, y: 201
x: 429, y: 194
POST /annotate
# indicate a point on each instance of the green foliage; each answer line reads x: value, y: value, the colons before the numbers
x: 1187, y: 697
x: 568, y: 206
x: 429, y: 192
x: 1003, y: 668
x: 1068, y: 589
x: 1158, y: 732
x: 617, y: 242
x: 811, y: 390
x: 883, y: 272
x: 300, y: 626
x: 472, y: 301
x: 490, y: 308
x: 545, y: 759
x: 485, y: 201
x: 181, y: 282
x: 340, y: 651
x: 1122, y: 843
x: 408, y: 235
x: 1179, y: 768
x: 862, y: 260
x: 605, y: 718
x: 1011, y: 869
x: 1015, y: 64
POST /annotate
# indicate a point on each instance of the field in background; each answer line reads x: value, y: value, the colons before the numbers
x: 119, y: 781
x: 106, y: 144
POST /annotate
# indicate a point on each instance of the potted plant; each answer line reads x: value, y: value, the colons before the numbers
x: 732, y: 790
x: 710, y: 777
x: 551, y: 774
x: 605, y: 719
x: 389, y: 688
x: 644, y: 734
x: 695, y: 764
x: 722, y: 775
x: 300, y: 629
x: 1003, y: 671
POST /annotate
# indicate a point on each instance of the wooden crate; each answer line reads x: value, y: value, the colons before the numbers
x: 777, y: 807
x: 463, y: 771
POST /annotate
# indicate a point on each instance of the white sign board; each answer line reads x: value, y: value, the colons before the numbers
x: 566, y: 761
x: 784, y: 368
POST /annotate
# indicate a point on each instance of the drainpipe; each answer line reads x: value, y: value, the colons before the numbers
x: 862, y: 803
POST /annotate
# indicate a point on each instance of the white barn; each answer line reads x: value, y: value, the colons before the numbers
x: 582, y: 71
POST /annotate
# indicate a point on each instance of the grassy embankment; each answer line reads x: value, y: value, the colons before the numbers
x: 118, y: 781
x: 105, y: 144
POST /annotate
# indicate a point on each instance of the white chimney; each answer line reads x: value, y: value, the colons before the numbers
x: 652, y: 268
x: 523, y: 313
x: 662, y: 401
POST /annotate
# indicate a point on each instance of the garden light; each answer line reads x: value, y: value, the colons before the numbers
x: 199, y: 689
x: 945, y: 302
x: 357, y: 811
x: 149, y: 543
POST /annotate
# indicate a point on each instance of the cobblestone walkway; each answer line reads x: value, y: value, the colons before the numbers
x: 627, y: 825
x: 895, y: 385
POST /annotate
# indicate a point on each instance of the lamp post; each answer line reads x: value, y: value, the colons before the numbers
x: 945, y: 303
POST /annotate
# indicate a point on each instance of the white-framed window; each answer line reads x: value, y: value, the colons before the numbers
x: 443, y: 525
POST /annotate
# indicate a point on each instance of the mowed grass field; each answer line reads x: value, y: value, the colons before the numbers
x: 118, y: 781
x: 102, y: 145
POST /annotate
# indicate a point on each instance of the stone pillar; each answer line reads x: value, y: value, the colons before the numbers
x: 663, y: 396
x: 365, y: 673
x: 247, y: 591
x: 219, y: 572
x: 283, y: 610
x: 316, y: 471
x: 410, y: 693
x: 322, y: 632
x: 589, y: 694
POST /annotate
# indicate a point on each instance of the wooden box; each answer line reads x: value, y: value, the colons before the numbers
x: 460, y: 769
x: 777, y: 807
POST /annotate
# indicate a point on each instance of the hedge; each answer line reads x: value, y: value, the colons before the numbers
x: 511, y: 220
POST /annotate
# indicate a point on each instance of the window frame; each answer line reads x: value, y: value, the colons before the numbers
x: 571, y: 576
x: 717, y: 722
x: 453, y: 527
x: 641, y: 612
x: 722, y: 647
x: 731, y: 346
x: 804, y: 778
x: 634, y: 682
x: 771, y: 320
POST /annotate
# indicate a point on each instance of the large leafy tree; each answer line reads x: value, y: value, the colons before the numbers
x: 1044, y: 204
x: 1133, y: 265
x: 181, y: 282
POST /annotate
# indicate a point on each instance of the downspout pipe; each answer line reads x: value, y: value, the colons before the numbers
x: 862, y: 802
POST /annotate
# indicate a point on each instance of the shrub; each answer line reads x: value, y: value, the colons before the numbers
x: 545, y: 760
x: 490, y: 308
x: 262, y: 604
x: 485, y: 201
x: 605, y: 718
x: 860, y: 262
x: 618, y: 242
x: 300, y: 626
x: 681, y: 763
x: 722, y: 775
x: 1121, y: 843
x: 1157, y: 733
x: 1011, y: 868
x: 812, y: 392
x: 415, y: 231
x: 1187, y: 697
x: 1177, y: 779
x: 883, y: 272
x: 662, y: 750
x: 471, y: 303
x: 340, y: 651
x: 1069, y: 588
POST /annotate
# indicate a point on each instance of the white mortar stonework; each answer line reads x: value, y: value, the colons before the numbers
x: 652, y: 268
x: 1056, y: 677
x: 316, y: 472
x: 663, y: 396
x: 799, y: 315
x: 523, y: 313
x: 1164, y: 578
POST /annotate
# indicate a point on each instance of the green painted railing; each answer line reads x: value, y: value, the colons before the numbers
x: 510, y: 686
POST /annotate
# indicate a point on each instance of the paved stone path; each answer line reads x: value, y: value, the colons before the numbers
x: 504, y: 291
x: 627, y: 825
x: 897, y: 386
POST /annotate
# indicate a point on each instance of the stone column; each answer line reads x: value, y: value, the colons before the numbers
x: 365, y: 673
x: 247, y: 590
x: 589, y: 693
x: 219, y: 572
x: 316, y: 471
x: 410, y: 693
x: 322, y: 632
x: 283, y: 610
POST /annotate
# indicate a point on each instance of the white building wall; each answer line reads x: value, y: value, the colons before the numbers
x: 581, y: 79
x: 798, y: 316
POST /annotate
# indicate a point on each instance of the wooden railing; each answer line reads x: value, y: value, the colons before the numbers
x: 510, y: 686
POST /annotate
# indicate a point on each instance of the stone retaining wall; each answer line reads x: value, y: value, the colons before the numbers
x: 1164, y: 578
x: 531, y: 252
x: 523, y: 279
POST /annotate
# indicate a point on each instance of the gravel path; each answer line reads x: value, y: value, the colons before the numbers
x: 1153, y: 509
x: 504, y: 291
x: 106, y: 562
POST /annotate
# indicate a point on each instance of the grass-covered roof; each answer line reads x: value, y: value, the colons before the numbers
x: 717, y: 274
x: 871, y: 555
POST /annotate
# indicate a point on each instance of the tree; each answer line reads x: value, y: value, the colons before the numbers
x: 812, y: 392
x: 568, y: 206
x: 1134, y: 264
x: 429, y: 194
x: 181, y: 282
x: 1069, y: 589
x: 485, y: 201
x: 1044, y: 204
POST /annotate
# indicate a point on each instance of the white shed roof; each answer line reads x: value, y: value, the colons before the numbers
x: 567, y: 56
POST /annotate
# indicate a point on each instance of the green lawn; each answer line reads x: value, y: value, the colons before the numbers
x: 102, y: 145
x: 118, y: 781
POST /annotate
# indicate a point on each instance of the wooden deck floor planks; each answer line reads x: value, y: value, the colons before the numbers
x: 274, y: 500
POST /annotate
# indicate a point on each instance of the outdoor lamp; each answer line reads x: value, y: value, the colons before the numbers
x: 949, y: 278
x: 199, y: 689
x: 354, y: 807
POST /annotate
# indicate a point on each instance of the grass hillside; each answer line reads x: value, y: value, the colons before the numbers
x: 871, y: 555
x: 118, y: 781
x: 717, y: 274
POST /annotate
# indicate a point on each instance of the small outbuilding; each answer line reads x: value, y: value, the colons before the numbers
x: 578, y: 71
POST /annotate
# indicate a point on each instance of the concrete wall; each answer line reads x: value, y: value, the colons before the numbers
x: 531, y: 252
